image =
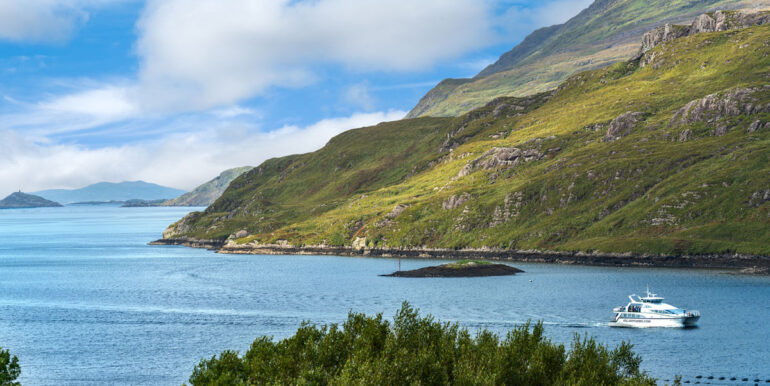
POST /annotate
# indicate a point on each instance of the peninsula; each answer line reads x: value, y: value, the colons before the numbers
x: 19, y: 200
x: 658, y: 160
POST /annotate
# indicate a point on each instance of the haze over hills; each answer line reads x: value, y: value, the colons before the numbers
x: 606, y: 32
x: 110, y: 191
x: 207, y: 193
x: 19, y: 200
x: 664, y: 154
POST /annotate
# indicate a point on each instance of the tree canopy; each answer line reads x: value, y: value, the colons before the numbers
x: 415, y: 350
x: 9, y: 369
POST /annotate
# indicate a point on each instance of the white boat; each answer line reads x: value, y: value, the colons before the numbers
x: 650, y: 311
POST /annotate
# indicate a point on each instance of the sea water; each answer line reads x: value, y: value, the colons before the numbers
x: 84, y: 300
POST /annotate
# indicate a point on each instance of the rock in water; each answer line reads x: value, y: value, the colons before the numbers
x: 460, y: 269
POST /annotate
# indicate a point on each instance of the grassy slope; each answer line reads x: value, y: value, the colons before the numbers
x: 208, y: 192
x: 590, y: 195
x: 298, y: 187
x: 606, y: 32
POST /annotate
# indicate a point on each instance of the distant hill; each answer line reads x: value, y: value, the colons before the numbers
x: 20, y: 200
x: 110, y: 191
x: 207, y: 193
x: 606, y: 32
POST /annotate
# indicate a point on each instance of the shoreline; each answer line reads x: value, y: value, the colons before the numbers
x: 749, y: 264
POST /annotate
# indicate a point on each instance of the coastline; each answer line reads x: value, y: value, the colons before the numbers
x: 748, y: 263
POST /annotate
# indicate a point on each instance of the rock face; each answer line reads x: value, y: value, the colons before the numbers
x: 623, y: 124
x: 758, y: 198
x: 661, y: 35
x: 19, y: 200
x: 718, y: 21
x: 455, y: 201
x: 180, y: 227
x: 716, y: 109
x: 501, y: 157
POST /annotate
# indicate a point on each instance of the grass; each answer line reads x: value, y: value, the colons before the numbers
x: 605, y: 33
x: 647, y: 192
x: 465, y: 263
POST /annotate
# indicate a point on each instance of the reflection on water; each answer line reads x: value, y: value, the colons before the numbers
x: 84, y: 300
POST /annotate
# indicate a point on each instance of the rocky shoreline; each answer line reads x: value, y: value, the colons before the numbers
x: 751, y: 264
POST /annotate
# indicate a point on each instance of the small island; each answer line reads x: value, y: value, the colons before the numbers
x: 463, y: 268
x: 19, y: 200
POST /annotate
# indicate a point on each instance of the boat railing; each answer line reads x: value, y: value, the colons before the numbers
x: 692, y: 313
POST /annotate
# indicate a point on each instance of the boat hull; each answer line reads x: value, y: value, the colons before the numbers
x: 682, y: 322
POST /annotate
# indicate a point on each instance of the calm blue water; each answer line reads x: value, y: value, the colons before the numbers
x: 84, y: 300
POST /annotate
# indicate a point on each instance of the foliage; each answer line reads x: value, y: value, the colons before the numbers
x: 9, y: 369
x: 416, y: 350
x: 648, y: 192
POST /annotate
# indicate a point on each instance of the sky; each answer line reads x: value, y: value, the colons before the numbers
x: 175, y: 91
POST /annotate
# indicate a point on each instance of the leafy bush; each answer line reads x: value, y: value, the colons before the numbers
x: 420, y: 350
x: 9, y: 369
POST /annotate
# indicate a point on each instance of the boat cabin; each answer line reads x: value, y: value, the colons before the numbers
x: 652, y: 299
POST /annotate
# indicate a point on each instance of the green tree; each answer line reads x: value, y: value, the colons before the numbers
x: 9, y: 369
x: 415, y: 350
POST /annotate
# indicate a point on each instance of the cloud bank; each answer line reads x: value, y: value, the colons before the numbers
x: 224, y: 51
x: 44, y: 20
x: 183, y: 160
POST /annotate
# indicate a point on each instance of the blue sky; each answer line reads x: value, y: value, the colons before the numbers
x: 175, y: 91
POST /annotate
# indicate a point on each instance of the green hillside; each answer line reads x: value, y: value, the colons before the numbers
x: 19, y: 200
x: 207, y: 193
x: 668, y: 154
x: 606, y: 32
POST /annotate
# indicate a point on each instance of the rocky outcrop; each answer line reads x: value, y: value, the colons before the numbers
x: 180, y: 227
x: 717, y: 109
x: 661, y: 35
x: 511, y: 207
x: 468, y: 269
x: 397, y: 210
x: 454, y: 201
x: 757, y: 125
x: 718, y: 21
x: 623, y: 124
x: 759, y: 197
x: 685, y: 135
x: 501, y: 157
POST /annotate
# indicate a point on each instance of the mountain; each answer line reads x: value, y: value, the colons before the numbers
x: 606, y: 32
x: 20, y: 200
x: 668, y: 153
x: 207, y: 193
x: 109, y: 191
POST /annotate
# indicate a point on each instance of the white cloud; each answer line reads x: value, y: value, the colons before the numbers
x: 182, y: 160
x: 43, y: 20
x: 109, y: 103
x: 196, y: 54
